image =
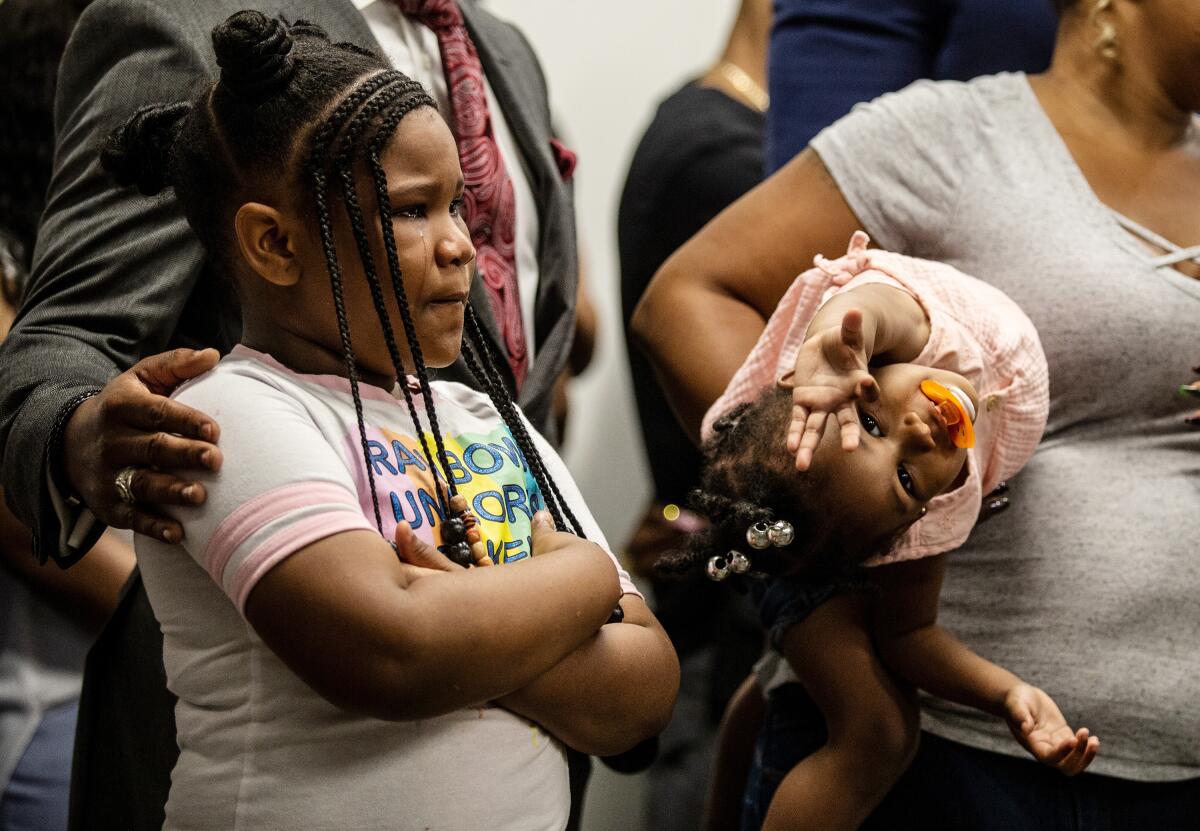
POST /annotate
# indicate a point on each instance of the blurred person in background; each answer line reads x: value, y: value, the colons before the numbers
x: 828, y: 55
x: 48, y: 616
x: 703, y: 149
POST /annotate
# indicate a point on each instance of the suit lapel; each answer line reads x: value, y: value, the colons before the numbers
x: 518, y: 97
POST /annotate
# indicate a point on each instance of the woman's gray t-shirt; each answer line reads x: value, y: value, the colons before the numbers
x: 1089, y: 586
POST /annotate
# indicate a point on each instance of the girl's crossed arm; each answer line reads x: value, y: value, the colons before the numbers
x: 615, y: 689
x: 374, y: 635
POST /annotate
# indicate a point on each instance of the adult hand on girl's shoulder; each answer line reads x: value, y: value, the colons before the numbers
x: 829, y: 375
x: 133, y: 424
x: 1039, y: 726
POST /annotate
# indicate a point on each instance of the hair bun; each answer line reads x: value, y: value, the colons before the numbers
x: 139, y: 151
x: 255, y: 55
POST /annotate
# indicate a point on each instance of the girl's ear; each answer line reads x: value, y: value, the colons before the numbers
x: 266, y: 239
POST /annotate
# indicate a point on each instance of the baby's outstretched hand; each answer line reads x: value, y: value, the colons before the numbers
x: 829, y: 375
x: 1039, y: 726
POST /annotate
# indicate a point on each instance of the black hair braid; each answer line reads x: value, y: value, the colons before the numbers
x: 726, y: 422
x: 255, y: 54
x: 320, y: 190
x: 317, y: 177
x: 333, y: 123
x: 729, y: 520
x: 139, y: 151
x: 383, y: 99
x: 503, y: 402
x: 386, y: 97
x: 747, y: 479
x: 504, y: 405
x: 379, y: 175
x: 489, y: 384
x: 720, y: 508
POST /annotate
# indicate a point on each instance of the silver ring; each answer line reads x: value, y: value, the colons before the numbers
x: 124, y: 483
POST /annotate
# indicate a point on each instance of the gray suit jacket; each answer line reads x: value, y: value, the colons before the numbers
x: 118, y: 276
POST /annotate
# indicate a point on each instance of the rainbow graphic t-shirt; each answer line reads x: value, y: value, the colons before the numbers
x: 303, y: 474
x: 486, y: 467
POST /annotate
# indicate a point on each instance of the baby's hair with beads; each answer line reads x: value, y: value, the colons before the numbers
x: 253, y: 126
x: 747, y: 478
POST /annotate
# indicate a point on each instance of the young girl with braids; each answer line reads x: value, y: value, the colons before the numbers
x: 325, y: 682
x: 939, y: 389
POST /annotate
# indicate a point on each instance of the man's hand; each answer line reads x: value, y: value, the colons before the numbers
x: 830, y: 374
x: 132, y: 423
x: 1039, y: 726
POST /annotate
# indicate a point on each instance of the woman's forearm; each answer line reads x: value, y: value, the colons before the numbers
x: 697, y: 336
x: 707, y: 305
x: 87, y: 591
x: 616, y: 689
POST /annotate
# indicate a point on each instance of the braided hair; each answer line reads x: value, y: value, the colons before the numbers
x: 747, y: 477
x: 252, y: 128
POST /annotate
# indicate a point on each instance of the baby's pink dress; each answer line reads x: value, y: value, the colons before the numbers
x: 975, y: 330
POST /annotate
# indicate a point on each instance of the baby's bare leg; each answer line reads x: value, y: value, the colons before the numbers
x: 872, y: 722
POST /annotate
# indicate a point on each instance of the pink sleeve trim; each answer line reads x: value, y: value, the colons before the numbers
x: 268, y: 506
x: 627, y: 586
x: 287, y: 542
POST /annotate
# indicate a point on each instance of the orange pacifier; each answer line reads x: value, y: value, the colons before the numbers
x: 955, y: 411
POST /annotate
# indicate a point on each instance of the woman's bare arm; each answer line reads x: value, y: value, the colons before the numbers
x: 87, y: 591
x: 707, y: 305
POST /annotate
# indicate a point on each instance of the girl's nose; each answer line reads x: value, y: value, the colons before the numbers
x: 915, y: 435
x: 454, y: 248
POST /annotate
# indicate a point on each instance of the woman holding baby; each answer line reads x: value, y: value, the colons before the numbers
x: 1073, y: 192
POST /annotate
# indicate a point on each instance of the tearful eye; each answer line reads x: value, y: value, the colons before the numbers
x: 869, y: 423
x: 906, y: 481
x: 456, y: 207
x: 409, y: 211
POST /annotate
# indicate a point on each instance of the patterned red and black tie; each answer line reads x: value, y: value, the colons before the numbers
x: 489, y: 200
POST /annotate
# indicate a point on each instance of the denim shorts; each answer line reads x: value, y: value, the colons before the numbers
x: 792, y: 729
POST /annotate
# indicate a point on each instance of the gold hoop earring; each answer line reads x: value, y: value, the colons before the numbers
x: 1106, y: 43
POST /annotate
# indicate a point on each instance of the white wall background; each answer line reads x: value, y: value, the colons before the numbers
x: 609, y: 63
